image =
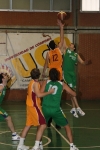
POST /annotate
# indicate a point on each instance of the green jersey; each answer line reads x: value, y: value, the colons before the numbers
x: 53, y: 100
x: 69, y: 61
x: 2, y: 94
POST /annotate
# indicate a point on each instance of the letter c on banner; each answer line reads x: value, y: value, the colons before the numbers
x: 20, y: 66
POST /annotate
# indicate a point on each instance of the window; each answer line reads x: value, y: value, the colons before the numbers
x: 20, y: 4
x: 4, y: 4
x: 90, y: 5
x: 41, y: 5
x: 62, y: 5
x: 36, y: 5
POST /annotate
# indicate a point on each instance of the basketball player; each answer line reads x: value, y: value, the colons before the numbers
x: 70, y: 59
x: 34, y: 113
x: 51, y: 103
x: 3, y: 114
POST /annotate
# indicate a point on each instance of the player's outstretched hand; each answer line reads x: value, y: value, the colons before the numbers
x: 59, y: 23
x: 88, y: 62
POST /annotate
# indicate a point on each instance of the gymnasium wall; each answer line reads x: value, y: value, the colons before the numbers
x: 84, y: 26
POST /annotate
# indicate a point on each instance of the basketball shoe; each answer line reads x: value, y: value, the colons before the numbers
x: 74, y: 112
x: 80, y: 112
x: 22, y: 147
x: 36, y: 148
x: 73, y: 147
x: 15, y: 137
x: 41, y: 147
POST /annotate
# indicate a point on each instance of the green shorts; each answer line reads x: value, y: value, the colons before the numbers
x: 70, y: 79
x: 56, y: 114
x: 3, y: 114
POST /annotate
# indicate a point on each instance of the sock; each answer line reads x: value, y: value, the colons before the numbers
x: 21, y: 142
x: 14, y: 133
x: 78, y: 108
x: 37, y: 143
x: 74, y: 109
x: 71, y: 144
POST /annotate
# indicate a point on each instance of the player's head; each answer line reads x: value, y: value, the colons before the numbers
x: 4, y: 77
x: 35, y: 73
x: 54, y: 74
x: 52, y: 44
x: 72, y: 46
x: 1, y: 78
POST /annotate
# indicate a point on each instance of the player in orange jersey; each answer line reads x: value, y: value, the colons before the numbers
x: 34, y: 113
x: 54, y: 56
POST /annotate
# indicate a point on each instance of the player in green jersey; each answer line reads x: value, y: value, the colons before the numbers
x: 51, y: 103
x: 3, y: 114
x: 70, y: 59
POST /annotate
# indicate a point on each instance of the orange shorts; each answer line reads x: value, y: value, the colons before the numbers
x: 34, y: 116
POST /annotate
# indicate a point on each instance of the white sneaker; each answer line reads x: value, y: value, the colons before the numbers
x: 73, y: 147
x: 74, y: 112
x: 22, y: 147
x: 15, y: 137
x: 36, y: 148
x: 41, y: 147
x: 80, y: 112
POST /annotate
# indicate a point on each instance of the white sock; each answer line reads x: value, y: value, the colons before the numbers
x: 14, y: 133
x: 74, y: 109
x: 21, y: 142
x: 78, y: 108
x: 71, y: 144
x: 37, y: 143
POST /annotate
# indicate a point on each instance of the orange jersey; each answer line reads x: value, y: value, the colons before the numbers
x: 35, y: 116
x: 55, y: 58
x: 32, y: 99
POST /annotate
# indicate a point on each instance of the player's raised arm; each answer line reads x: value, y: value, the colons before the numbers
x: 42, y: 88
x: 45, y: 65
x: 61, y: 33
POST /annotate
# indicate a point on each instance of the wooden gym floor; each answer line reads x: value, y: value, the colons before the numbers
x: 86, y: 130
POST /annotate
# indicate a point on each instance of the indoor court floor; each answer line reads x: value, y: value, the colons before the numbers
x: 86, y: 130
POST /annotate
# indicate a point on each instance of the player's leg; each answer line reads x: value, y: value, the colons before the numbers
x: 70, y: 137
x: 78, y: 109
x: 22, y: 139
x: 74, y: 106
x: 68, y: 78
x: 15, y: 136
x: 32, y: 120
x: 4, y: 116
x: 60, y: 118
x: 40, y: 122
x: 38, y: 143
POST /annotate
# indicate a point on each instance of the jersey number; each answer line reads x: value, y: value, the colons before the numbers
x: 55, y: 57
x: 54, y: 87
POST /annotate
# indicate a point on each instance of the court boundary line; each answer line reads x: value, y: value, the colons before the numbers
x: 49, y: 140
x: 60, y: 134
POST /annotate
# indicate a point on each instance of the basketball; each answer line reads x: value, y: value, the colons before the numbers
x: 62, y: 15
